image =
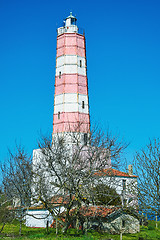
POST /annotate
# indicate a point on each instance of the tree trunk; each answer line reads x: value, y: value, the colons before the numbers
x: 2, y: 227
x: 77, y: 223
x: 64, y: 230
x: 121, y: 235
x: 56, y: 227
x: 121, y: 230
x: 20, y: 228
x: 47, y: 226
x: 156, y: 221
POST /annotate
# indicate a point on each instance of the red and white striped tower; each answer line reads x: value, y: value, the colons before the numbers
x: 71, y: 107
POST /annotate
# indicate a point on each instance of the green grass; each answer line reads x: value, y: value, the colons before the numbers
x: 11, y: 231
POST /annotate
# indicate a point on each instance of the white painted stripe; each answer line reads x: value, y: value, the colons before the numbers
x: 71, y: 64
x: 70, y: 107
x: 58, y: 99
x: 71, y: 103
x: 71, y: 97
x: 67, y: 107
x: 70, y: 69
x: 71, y: 59
x: 65, y: 59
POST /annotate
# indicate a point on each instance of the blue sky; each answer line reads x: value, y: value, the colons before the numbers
x: 123, y: 60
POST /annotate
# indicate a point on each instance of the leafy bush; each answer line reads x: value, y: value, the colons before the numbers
x: 151, y: 228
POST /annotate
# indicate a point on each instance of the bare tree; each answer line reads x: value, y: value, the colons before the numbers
x: 16, y: 180
x: 67, y: 168
x: 105, y: 195
x: 147, y: 166
x: 6, y: 216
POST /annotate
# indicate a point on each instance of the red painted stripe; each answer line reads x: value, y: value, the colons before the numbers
x: 71, y: 83
x: 79, y: 122
x: 71, y: 117
x: 71, y: 44
x: 71, y: 127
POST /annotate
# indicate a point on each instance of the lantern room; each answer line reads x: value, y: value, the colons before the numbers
x: 70, y: 25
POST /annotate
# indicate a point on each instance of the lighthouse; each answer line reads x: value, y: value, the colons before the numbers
x: 66, y: 172
x: 71, y: 106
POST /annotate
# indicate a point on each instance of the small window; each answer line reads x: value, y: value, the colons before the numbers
x: 123, y: 223
x: 80, y: 63
x: 56, y: 180
x: 73, y: 21
x: 58, y: 115
x: 85, y: 139
x: 60, y: 74
x: 83, y: 104
x: 124, y: 184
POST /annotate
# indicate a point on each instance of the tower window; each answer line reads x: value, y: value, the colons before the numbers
x: 73, y: 21
x: 60, y: 74
x: 58, y: 115
x: 124, y: 184
x: 80, y: 63
x: 123, y: 223
x: 83, y: 104
x: 85, y: 138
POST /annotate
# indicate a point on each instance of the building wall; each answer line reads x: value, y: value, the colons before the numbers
x: 40, y: 220
x: 129, y: 194
x: 114, y: 226
x: 131, y: 224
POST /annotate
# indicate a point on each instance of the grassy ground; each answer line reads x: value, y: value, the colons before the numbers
x: 11, y: 232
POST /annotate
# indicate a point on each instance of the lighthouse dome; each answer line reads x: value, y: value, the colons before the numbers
x: 71, y: 20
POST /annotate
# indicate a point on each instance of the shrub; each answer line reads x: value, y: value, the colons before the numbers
x: 151, y: 228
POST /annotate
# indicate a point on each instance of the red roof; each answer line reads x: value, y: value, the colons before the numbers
x: 90, y: 211
x: 114, y: 173
x: 61, y: 199
x: 95, y: 211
